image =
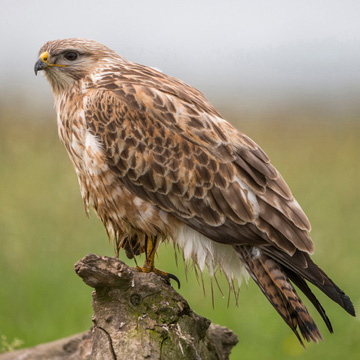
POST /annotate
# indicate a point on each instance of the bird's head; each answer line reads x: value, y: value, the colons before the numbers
x: 69, y: 60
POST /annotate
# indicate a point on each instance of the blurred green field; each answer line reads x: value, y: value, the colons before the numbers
x: 44, y: 231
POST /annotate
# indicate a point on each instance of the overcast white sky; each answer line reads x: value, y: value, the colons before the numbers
x: 250, y: 51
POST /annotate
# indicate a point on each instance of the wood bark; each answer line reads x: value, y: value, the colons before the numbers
x: 136, y: 316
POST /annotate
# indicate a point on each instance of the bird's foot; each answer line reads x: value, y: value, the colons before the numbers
x: 163, y: 274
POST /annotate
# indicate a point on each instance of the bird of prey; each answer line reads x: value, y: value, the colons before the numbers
x: 159, y: 163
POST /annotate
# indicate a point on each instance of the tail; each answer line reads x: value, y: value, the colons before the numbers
x: 273, y: 278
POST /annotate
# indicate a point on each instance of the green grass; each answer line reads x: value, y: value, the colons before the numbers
x: 44, y: 231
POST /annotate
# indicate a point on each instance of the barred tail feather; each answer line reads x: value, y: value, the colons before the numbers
x: 274, y: 283
x: 303, y: 267
x: 303, y: 286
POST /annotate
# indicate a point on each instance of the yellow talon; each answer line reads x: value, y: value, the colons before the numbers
x: 150, y: 250
x: 143, y: 269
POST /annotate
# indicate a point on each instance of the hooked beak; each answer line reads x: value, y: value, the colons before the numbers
x: 40, y: 65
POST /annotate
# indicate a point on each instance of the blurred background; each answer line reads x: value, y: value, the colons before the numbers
x: 285, y: 73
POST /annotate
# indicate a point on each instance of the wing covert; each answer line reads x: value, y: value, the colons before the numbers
x: 196, y: 166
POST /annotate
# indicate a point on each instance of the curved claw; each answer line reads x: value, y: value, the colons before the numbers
x: 171, y: 276
x: 167, y: 276
x: 163, y: 274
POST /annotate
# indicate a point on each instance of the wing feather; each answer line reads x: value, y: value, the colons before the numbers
x: 170, y: 147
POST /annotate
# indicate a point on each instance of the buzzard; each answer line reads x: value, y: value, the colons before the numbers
x: 159, y: 163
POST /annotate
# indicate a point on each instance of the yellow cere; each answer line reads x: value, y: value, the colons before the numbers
x: 45, y: 58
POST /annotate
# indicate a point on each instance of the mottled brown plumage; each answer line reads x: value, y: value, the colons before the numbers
x: 156, y: 160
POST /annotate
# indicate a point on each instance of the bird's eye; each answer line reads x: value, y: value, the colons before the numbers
x: 71, y: 56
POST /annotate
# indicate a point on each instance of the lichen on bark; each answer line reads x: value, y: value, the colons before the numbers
x: 136, y: 316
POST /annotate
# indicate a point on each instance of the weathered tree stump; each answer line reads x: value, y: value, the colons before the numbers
x: 136, y: 316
